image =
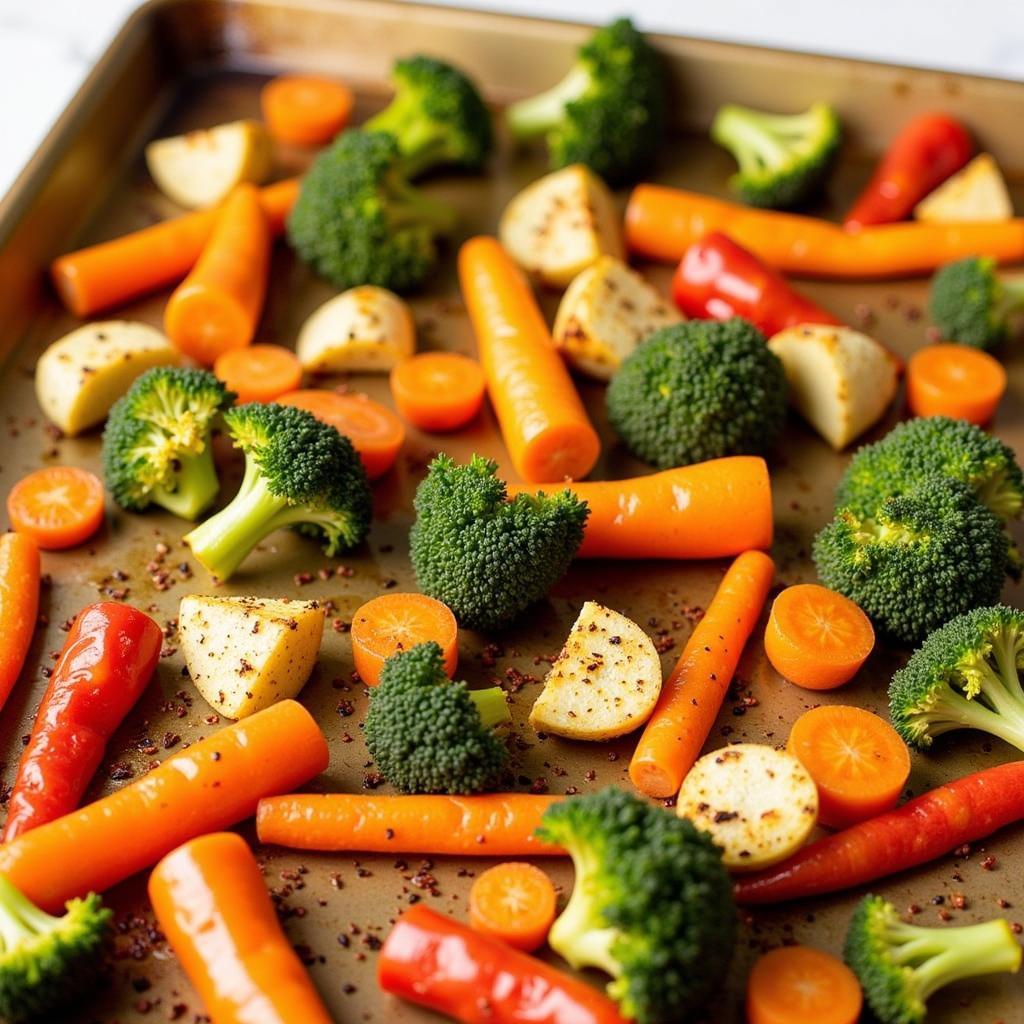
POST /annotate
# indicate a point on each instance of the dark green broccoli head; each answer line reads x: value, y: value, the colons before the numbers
x: 156, y: 444
x: 489, y: 559
x: 609, y: 110
x: 699, y: 390
x: 358, y: 220
x: 651, y: 905
x: 437, y: 116
x: 783, y: 158
x: 900, y: 966
x: 427, y: 734
x: 972, y: 306
x: 924, y: 558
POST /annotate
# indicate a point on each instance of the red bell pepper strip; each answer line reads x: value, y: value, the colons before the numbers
x: 924, y: 154
x: 443, y: 964
x: 19, y: 605
x: 717, y: 279
x: 927, y: 827
x: 107, y: 660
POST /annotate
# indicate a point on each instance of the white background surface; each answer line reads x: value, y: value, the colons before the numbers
x: 47, y: 46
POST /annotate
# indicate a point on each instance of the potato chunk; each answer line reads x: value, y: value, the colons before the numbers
x: 977, y: 192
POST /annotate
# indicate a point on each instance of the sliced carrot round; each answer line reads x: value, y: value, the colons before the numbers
x: 259, y: 373
x: 305, y: 109
x: 374, y: 430
x: 817, y: 638
x: 397, y: 622
x: 57, y: 507
x: 957, y: 381
x: 798, y: 984
x: 857, y: 760
x: 438, y: 391
x: 514, y: 902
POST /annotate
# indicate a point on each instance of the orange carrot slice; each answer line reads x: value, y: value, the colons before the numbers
x: 259, y: 373
x: 957, y: 381
x: 514, y: 902
x: 58, y: 507
x: 438, y: 391
x: 305, y: 109
x: 19, y: 605
x: 797, y: 984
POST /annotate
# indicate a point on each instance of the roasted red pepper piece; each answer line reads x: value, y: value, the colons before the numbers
x: 925, y: 153
x: 443, y: 964
x: 107, y: 660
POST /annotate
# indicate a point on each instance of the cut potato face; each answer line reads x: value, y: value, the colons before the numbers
x: 246, y: 653
x: 605, y: 682
x: 200, y: 168
x: 758, y: 803
x: 605, y: 313
x: 561, y: 224
x: 840, y: 381
x: 80, y: 376
x: 364, y: 329
x: 977, y: 192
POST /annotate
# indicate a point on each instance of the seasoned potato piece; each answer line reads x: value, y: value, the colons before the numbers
x: 561, y: 224
x: 758, y: 803
x: 975, y: 193
x: 246, y: 653
x: 605, y: 682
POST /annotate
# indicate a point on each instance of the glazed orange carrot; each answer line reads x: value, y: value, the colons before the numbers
x: 514, y: 902
x: 58, y: 507
x: 111, y: 273
x: 797, y: 984
x: 398, y: 622
x: 692, y: 695
x: 212, y: 904
x: 542, y: 419
x: 493, y: 825
x: 708, y: 510
x: 957, y: 381
x: 212, y: 784
x: 662, y: 222
x: 438, y: 391
x: 305, y: 109
x: 259, y: 373
x: 19, y: 605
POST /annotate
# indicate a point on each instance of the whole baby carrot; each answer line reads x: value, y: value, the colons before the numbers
x: 19, y: 605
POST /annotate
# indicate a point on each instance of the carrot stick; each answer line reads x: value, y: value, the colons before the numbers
x: 693, y: 694
x: 210, y: 785
x: 495, y: 825
x: 112, y: 273
x: 708, y: 510
x: 19, y: 605
x: 960, y: 812
x: 661, y: 223
x: 212, y: 904
x: 542, y: 419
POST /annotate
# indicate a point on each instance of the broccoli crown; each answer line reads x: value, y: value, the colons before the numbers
x: 782, y: 158
x: 427, y: 734
x: 299, y: 472
x: 357, y: 219
x: 971, y: 305
x: 922, y: 559
x: 901, y: 965
x: 699, y: 390
x: 46, y: 961
x: 651, y: 904
x: 156, y: 444
x: 933, y: 446
x: 437, y: 116
x: 609, y: 110
x: 487, y: 558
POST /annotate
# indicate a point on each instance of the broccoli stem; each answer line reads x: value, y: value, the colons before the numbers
x: 20, y: 918
x: 754, y: 137
x: 416, y: 135
x: 539, y: 114
x: 407, y: 205
x: 491, y: 706
x: 1011, y: 296
x: 195, y: 485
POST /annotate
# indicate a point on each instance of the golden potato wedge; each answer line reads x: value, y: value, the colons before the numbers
x: 977, y: 192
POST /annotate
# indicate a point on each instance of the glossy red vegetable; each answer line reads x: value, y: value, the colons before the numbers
x: 925, y: 153
x: 107, y: 660
x: 717, y: 279
x: 443, y: 964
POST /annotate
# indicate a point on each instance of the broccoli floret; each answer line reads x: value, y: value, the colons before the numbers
x: 699, y: 390
x: 900, y: 966
x: 437, y: 116
x: 609, y: 110
x: 924, y: 558
x: 47, y: 961
x: 651, y: 904
x: 933, y: 446
x: 427, y: 734
x: 489, y: 559
x: 357, y: 219
x: 782, y: 158
x: 972, y: 306
x: 298, y: 472
x: 156, y: 444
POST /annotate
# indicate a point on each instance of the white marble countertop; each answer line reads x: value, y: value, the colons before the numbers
x: 47, y: 46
